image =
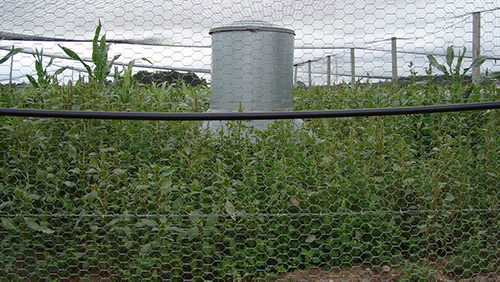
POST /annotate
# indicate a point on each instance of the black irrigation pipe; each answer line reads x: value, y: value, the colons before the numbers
x: 268, y: 115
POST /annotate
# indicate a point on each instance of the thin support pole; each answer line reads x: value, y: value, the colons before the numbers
x: 336, y: 71
x: 328, y: 70
x: 394, y: 60
x: 476, y: 44
x: 295, y: 75
x: 353, y: 69
x: 310, y: 73
x: 11, y: 67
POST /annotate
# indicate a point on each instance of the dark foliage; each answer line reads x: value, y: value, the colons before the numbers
x: 169, y: 77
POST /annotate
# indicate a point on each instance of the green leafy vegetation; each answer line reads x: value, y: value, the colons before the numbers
x: 215, y: 206
x: 160, y: 77
x: 173, y: 200
x: 102, y: 67
x: 43, y: 77
x: 454, y: 72
x: 11, y: 53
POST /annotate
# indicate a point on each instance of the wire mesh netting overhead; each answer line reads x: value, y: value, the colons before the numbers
x: 410, y: 196
x: 180, y: 31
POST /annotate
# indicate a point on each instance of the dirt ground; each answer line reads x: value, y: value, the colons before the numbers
x: 365, y: 273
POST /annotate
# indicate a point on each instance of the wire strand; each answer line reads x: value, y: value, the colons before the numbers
x: 333, y: 214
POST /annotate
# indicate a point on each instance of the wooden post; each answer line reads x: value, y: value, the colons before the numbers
x: 328, y: 70
x: 476, y: 44
x: 310, y: 74
x: 353, y: 69
x: 394, y: 61
x: 295, y: 76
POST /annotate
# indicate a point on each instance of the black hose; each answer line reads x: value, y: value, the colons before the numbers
x: 268, y: 115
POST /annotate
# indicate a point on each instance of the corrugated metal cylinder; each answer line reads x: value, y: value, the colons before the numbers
x: 252, y: 67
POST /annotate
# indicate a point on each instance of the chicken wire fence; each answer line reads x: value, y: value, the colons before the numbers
x: 175, y: 34
x: 386, y: 198
x: 391, y: 197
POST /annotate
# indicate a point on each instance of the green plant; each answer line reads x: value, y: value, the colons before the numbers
x: 102, y: 67
x: 493, y: 76
x: 158, y: 77
x: 43, y: 77
x: 455, y: 72
x: 11, y: 53
x: 398, y: 191
x: 128, y: 79
x: 418, y: 272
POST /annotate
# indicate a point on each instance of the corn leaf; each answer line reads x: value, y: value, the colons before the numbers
x: 74, y: 56
x: 10, y: 54
x: 145, y: 59
x: 38, y: 67
x: 110, y: 64
x: 435, y: 63
x: 96, y: 35
x: 60, y: 70
x: 450, y: 55
x: 50, y: 62
x: 459, y: 62
x: 477, y: 63
x: 32, y: 81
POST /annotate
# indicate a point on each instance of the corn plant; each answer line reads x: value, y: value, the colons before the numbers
x: 102, y: 66
x: 127, y: 72
x: 43, y: 77
x: 454, y: 72
x: 127, y: 81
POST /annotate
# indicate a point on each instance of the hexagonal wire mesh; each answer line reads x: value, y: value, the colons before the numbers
x: 380, y: 197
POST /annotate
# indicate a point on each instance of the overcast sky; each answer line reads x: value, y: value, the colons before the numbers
x: 425, y: 26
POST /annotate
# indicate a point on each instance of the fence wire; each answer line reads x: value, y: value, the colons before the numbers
x: 174, y: 34
x: 395, y: 197
x: 334, y: 193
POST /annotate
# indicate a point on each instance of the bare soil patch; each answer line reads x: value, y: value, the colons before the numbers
x: 366, y: 273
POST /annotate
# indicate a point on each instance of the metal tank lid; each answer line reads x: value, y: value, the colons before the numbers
x: 251, y: 25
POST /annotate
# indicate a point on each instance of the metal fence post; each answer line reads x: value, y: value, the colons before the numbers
x: 336, y: 71
x: 394, y: 60
x: 328, y: 70
x: 353, y: 69
x: 476, y: 44
x: 11, y: 67
x: 310, y: 74
x: 295, y: 76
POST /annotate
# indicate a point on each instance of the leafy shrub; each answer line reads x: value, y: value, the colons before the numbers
x: 159, y: 77
x: 169, y: 200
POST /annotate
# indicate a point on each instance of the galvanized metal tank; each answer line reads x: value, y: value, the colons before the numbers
x: 252, y: 67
